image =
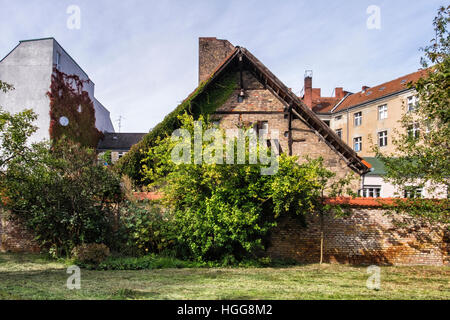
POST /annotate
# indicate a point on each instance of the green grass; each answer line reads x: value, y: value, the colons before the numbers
x: 24, y: 276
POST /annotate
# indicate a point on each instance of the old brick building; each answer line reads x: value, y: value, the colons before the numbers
x: 261, y: 98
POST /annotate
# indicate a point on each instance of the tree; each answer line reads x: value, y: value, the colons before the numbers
x: 221, y: 210
x: 15, y: 129
x: 423, y: 145
x: 62, y: 196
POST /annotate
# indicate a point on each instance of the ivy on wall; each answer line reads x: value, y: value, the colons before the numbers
x: 69, y: 100
x: 203, y: 101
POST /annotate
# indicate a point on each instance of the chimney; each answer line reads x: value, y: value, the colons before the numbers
x: 316, y: 94
x: 307, y: 98
x: 212, y: 52
x: 364, y: 88
x: 339, y: 93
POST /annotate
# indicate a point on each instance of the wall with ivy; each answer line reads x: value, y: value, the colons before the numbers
x: 203, y: 101
x: 68, y: 99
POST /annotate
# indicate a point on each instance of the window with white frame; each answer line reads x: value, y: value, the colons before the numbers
x: 412, y: 103
x: 414, y: 131
x: 370, y: 192
x: 413, y: 192
x: 382, y: 138
x: 358, y: 118
x: 339, y: 133
x: 357, y: 144
x: 382, y: 112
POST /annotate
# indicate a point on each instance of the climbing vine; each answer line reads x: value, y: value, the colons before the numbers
x: 203, y: 101
x: 69, y: 100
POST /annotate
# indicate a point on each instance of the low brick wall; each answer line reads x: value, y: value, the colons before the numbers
x: 14, y: 237
x: 367, y: 236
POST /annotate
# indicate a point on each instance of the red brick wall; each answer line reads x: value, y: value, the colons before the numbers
x: 306, y: 142
x: 366, y: 237
x: 212, y: 52
x: 14, y: 237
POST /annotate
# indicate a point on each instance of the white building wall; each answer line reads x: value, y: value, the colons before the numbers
x: 388, y: 190
x: 68, y: 66
x: 28, y: 68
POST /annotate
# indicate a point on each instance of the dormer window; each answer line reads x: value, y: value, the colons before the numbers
x: 241, y: 96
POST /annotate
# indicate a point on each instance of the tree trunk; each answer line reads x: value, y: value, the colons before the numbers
x: 321, y: 237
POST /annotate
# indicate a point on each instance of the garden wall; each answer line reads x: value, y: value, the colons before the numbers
x: 14, y: 237
x: 367, y: 236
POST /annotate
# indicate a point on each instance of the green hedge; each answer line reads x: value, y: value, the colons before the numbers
x: 204, y: 100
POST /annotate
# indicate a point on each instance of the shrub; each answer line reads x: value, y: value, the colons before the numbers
x: 63, y: 196
x: 224, y: 212
x: 146, y: 228
x: 91, y: 253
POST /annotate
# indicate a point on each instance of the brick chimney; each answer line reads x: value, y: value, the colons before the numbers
x: 212, y: 52
x: 339, y: 93
x: 307, y: 98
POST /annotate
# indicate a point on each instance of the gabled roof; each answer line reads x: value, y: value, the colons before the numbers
x: 119, y: 141
x: 380, y: 91
x: 299, y: 109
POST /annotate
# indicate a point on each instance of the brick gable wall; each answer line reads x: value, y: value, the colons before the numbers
x: 306, y: 142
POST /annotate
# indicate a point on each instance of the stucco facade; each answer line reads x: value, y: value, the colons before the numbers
x: 29, y: 68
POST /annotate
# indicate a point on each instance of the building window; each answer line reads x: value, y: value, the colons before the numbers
x: 414, y: 131
x: 412, y: 192
x: 412, y: 103
x: 370, y: 192
x: 382, y: 138
x: 58, y: 60
x: 382, y: 112
x: 358, y: 118
x: 327, y: 122
x: 241, y: 96
x: 121, y: 154
x: 357, y: 144
x: 339, y: 133
x: 338, y: 118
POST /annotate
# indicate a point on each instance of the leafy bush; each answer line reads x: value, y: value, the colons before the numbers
x: 91, y: 253
x: 146, y: 228
x: 224, y: 212
x: 63, y: 196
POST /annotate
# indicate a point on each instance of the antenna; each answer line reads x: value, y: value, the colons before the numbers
x: 120, y: 122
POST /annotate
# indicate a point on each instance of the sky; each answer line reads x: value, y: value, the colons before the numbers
x: 143, y: 55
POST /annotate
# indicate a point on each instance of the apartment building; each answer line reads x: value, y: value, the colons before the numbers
x: 371, y: 118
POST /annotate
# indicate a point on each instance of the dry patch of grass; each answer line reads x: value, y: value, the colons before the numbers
x: 34, y: 277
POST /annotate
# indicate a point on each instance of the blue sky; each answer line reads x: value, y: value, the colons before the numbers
x: 143, y: 55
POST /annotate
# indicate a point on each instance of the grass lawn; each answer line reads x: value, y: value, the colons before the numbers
x: 25, y: 276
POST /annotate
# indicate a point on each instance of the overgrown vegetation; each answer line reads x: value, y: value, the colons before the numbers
x: 62, y: 196
x: 423, y: 144
x: 222, y: 211
x: 200, y: 102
